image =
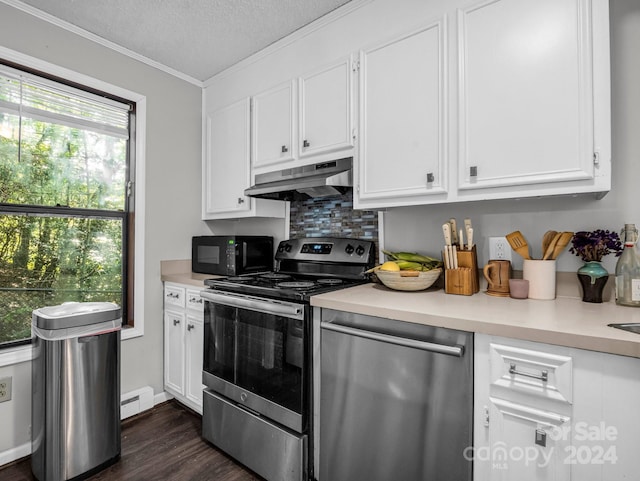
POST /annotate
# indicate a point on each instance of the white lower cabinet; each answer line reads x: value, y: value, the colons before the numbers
x: 522, y: 444
x: 554, y: 413
x: 183, y: 347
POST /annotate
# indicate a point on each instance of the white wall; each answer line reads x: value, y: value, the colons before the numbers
x: 172, y: 190
x: 419, y: 228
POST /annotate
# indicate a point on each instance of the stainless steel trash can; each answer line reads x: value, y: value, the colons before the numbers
x: 75, y: 414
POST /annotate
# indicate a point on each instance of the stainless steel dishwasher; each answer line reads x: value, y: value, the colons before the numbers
x: 396, y: 400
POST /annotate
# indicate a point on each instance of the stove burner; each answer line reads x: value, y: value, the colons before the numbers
x: 330, y: 282
x: 275, y: 276
x: 295, y: 284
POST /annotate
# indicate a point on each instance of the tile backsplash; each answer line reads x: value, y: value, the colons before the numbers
x: 332, y: 217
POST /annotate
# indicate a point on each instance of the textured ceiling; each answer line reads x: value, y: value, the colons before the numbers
x: 198, y: 38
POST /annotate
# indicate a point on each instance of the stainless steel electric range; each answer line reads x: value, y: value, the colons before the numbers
x: 258, y: 353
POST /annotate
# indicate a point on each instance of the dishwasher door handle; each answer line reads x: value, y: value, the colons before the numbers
x: 457, y: 351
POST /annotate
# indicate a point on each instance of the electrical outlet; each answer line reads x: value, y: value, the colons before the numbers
x: 5, y: 389
x: 499, y: 248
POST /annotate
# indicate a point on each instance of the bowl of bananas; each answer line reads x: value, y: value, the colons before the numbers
x: 406, y: 271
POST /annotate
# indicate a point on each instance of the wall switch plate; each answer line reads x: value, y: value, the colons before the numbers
x: 499, y: 248
x: 5, y: 389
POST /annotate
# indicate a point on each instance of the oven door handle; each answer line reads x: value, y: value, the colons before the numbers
x: 269, y: 306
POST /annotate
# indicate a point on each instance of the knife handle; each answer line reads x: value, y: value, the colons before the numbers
x: 446, y: 230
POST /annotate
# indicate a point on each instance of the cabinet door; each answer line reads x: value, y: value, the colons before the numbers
x: 525, y: 444
x: 526, y: 93
x: 227, y: 160
x: 174, y: 351
x: 194, y: 339
x: 402, y: 147
x: 326, y: 110
x: 273, y: 124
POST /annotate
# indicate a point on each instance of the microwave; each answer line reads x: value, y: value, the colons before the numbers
x: 231, y: 255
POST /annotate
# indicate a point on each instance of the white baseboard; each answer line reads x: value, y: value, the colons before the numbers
x: 13, y: 454
x: 161, y: 397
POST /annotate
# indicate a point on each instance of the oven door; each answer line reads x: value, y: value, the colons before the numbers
x: 256, y: 353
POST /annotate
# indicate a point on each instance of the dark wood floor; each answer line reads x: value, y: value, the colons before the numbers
x: 161, y: 444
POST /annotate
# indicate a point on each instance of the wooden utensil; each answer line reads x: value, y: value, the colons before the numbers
x: 552, y: 245
x: 546, y: 240
x: 564, y: 239
x: 519, y: 244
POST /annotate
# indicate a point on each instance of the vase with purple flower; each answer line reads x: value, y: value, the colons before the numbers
x: 591, y: 247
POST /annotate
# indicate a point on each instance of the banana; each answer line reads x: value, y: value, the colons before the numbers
x: 409, y: 266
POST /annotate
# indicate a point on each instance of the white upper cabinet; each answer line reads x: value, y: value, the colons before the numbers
x: 455, y: 101
x: 526, y: 96
x: 403, y: 132
x: 304, y: 120
x: 325, y: 120
x: 227, y: 166
x: 273, y: 124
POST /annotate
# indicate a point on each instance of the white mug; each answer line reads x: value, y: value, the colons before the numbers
x: 542, y: 278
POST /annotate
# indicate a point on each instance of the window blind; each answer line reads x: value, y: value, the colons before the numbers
x: 23, y: 94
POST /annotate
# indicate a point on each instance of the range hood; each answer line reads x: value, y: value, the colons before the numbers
x: 300, y: 183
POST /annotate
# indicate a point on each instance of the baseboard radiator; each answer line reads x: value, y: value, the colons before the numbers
x: 136, y: 401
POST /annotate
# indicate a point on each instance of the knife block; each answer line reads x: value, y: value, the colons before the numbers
x: 464, y: 280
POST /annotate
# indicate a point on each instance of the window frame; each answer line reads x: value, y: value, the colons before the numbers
x: 15, y: 354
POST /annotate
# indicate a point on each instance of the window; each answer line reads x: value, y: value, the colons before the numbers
x: 66, y: 198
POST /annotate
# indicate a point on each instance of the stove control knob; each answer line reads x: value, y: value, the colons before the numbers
x: 359, y: 250
x: 287, y: 247
x: 349, y: 249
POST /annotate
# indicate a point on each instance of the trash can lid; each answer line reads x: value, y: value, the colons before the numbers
x: 73, y: 314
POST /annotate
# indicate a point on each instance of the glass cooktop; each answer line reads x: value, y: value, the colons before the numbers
x: 280, y: 285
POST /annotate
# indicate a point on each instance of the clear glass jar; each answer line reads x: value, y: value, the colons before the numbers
x: 628, y: 270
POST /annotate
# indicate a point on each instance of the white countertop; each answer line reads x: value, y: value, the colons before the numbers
x: 565, y: 321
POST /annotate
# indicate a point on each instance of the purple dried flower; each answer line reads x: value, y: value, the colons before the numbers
x: 593, y: 246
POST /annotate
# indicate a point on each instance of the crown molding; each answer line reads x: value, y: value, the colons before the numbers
x: 289, y: 39
x: 99, y: 40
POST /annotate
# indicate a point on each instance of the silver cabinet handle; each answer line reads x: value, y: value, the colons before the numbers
x: 176, y: 322
x: 305, y: 143
x: 190, y: 326
x: 457, y: 351
x: 173, y: 296
x: 430, y: 177
x: 473, y: 171
x: 544, y: 374
x: 240, y: 200
x: 284, y: 149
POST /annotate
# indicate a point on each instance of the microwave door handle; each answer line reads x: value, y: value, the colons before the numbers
x: 244, y: 255
x: 269, y: 307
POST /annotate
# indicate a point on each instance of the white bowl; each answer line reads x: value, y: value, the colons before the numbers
x: 399, y: 282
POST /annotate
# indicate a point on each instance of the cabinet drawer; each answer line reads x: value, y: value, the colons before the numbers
x: 174, y: 296
x: 194, y: 301
x: 535, y: 373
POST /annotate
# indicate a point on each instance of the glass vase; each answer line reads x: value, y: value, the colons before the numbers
x: 593, y: 277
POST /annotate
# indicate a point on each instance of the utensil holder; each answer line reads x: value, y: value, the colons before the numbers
x: 464, y: 280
